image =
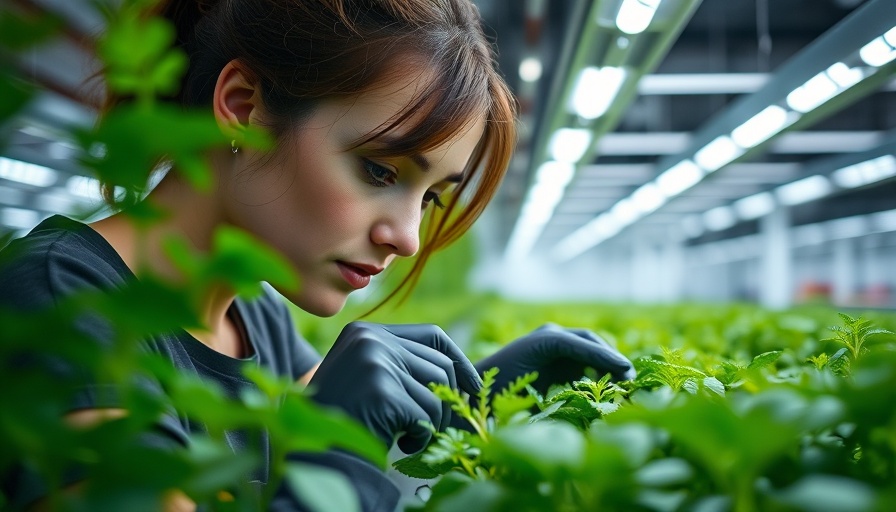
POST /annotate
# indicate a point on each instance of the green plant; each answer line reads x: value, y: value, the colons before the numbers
x: 855, y: 333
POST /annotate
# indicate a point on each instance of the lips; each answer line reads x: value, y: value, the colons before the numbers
x: 357, y: 275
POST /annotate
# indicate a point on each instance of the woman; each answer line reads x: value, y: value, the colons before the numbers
x: 378, y: 110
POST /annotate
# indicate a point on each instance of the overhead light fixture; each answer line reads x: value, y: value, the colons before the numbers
x: 866, y: 172
x: 625, y: 212
x: 679, y: 177
x: 763, y: 125
x: 19, y: 218
x: 817, y: 90
x: 719, y: 218
x: 635, y: 15
x: 717, y: 153
x: 550, y: 181
x: 595, y: 90
x: 755, y: 206
x: 880, y: 50
x: 84, y: 187
x: 26, y: 173
x: 596, y: 231
x: 804, y: 190
x: 569, y: 144
x: 648, y: 198
x: 530, y: 69
x: 845, y: 76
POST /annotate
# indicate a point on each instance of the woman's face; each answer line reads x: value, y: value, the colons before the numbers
x: 338, y: 214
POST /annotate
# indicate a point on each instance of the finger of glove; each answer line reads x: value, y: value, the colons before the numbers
x: 589, y: 335
x: 599, y: 356
x: 427, y: 365
x: 423, y: 407
x: 434, y: 337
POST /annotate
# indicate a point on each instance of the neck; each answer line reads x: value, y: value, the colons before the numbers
x: 191, y: 216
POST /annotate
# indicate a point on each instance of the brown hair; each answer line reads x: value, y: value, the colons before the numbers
x: 302, y: 52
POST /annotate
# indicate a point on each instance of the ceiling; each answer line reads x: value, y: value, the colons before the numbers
x: 690, y: 77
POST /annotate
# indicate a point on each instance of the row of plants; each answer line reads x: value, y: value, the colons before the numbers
x: 734, y: 408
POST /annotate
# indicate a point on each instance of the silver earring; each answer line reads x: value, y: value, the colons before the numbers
x: 233, y: 147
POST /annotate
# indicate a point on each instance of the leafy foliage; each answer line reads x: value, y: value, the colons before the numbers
x: 694, y: 430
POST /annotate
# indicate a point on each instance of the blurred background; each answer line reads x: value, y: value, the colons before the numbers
x: 670, y: 151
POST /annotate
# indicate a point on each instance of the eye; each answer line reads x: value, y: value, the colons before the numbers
x: 377, y: 175
x: 432, y: 197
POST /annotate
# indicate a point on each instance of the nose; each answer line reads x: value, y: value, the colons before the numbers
x: 398, y: 230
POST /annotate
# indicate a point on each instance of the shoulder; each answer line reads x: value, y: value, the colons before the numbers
x: 57, y: 258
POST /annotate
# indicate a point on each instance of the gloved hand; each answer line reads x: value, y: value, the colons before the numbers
x: 378, y: 374
x: 559, y: 355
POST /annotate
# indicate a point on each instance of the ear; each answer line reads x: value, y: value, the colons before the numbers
x: 236, y: 100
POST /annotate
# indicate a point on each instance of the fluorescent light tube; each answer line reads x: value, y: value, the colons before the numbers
x: 595, y: 90
x: 866, y: 172
x: 880, y: 50
x: 755, y: 206
x: 19, y: 218
x: 817, y: 90
x: 625, y: 212
x: 844, y: 76
x: 760, y: 127
x: 84, y: 186
x: 648, y: 198
x: 24, y: 172
x: 569, y: 144
x: 804, y: 190
x: 679, y: 177
x: 721, y: 151
x: 550, y: 182
x: 596, y: 231
x: 635, y: 15
x: 719, y: 218
x: 530, y: 69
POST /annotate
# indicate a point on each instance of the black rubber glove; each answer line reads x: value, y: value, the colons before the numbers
x: 559, y: 355
x: 378, y: 374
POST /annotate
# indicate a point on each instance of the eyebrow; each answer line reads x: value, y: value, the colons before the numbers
x: 424, y: 164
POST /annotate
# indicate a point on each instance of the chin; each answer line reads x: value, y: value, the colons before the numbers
x: 321, y: 304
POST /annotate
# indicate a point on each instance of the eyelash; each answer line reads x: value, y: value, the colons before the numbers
x: 380, y: 176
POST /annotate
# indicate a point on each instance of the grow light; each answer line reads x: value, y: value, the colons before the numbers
x: 866, y: 172
x: 635, y: 15
x: 595, y: 90
x: 569, y: 144
x: 717, y: 153
x: 26, y: 173
x: 804, y: 190
x: 763, y: 125
x: 678, y: 178
x: 754, y: 206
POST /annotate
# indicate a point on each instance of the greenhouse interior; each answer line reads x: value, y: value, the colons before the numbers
x: 708, y: 187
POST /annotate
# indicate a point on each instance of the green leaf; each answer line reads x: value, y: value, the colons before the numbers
x: 662, y: 472
x: 415, y: 467
x: 217, y: 467
x: 244, y: 261
x: 322, y: 489
x: 14, y: 95
x: 765, y: 359
x: 304, y: 426
x: 713, y: 384
x: 19, y: 32
x: 823, y: 493
x: 129, y: 153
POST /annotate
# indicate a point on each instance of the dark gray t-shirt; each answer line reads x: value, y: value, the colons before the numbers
x: 61, y: 257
